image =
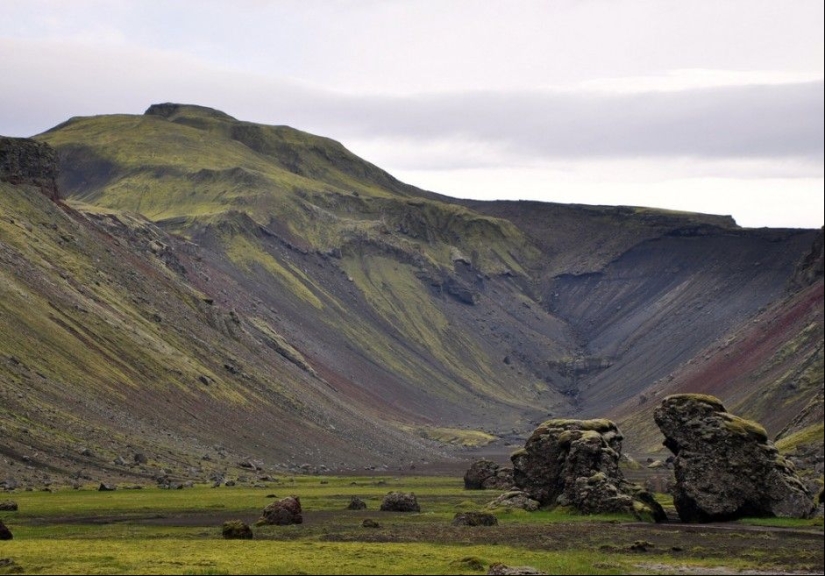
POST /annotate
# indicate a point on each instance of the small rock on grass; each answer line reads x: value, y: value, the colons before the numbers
x: 474, y: 519
x: 503, y: 569
x: 236, y: 530
x: 8, y: 506
x: 355, y: 503
x: 368, y: 523
x: 5, y: 533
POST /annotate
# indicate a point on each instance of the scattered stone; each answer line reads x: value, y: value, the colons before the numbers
x: 656, y: 464
x: 8, y: 506
x: 474, y: 519
x: 487, y: 475
x: 86, y: 452
x: 576, y: 463
x: 283, y: 512
x: 504, y: 570
x: 119, y: 461
x: 515, y: 499
x: 400, y: 502
x: 368, y: 523
x: 236, y: 530
x: 106, y: 487
x: 140, y: 458
x: 355, y: 503
x: 472, y: 563
x: 229, y: 483
x: 5, y: 533
x: 725, y: 466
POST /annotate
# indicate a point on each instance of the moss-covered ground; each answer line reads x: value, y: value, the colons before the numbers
x: 153, y: 531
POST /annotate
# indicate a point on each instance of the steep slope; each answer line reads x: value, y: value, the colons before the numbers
x: 106, y: 351
x: 267, y: 259
x: 769, y: 369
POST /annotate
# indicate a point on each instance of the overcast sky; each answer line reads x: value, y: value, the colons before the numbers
x: 709, y: 106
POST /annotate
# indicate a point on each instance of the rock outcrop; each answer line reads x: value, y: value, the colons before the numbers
x: 25, y: 161
x: 400, y: 502
x: 487, y: 475
x: 725, y: 466
x: 576, y: 463
x: 283, y: 512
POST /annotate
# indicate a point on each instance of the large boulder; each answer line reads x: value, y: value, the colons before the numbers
x: 487, y: 475
x: 400, y: 502
x: 576, y: 463
x: 725, y: 466
x: 283, y: 512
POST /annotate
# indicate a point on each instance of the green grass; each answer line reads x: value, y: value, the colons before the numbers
x: 808, y: 435
x: 64, y: 532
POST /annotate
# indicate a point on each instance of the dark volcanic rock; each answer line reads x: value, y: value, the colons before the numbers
x: 487, y: 475
x: 400, y: 502
x: 5, y: 533
x: 24, y: 161
x: 355, y: 503
x: 576, y: 463
x: 236, y: 530
x: 369, y: 523
x: 283, y: 512
x: 474, y: 519
x: 725, y: 466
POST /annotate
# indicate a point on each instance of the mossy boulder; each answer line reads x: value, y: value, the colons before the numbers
x: 283, y: 512
x: 400, y: 502
x: 725, y: 466
x: 236, y: 530
x: 575, y: 463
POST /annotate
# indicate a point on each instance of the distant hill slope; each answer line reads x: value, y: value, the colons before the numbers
x: 217, y: 282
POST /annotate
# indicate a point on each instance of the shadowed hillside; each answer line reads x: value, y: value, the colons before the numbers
x: 214, y: 290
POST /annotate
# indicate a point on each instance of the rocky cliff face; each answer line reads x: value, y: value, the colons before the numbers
x: 24, y: 161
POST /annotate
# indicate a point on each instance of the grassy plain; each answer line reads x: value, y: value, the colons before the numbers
x: 154, y: 531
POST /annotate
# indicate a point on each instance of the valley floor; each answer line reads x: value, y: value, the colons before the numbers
x: 149, y: 530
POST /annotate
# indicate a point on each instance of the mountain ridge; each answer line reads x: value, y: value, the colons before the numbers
x: 374, y: 320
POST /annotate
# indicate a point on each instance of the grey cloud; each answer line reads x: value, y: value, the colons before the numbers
x: 45, y: 83
x: 770, y: 121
